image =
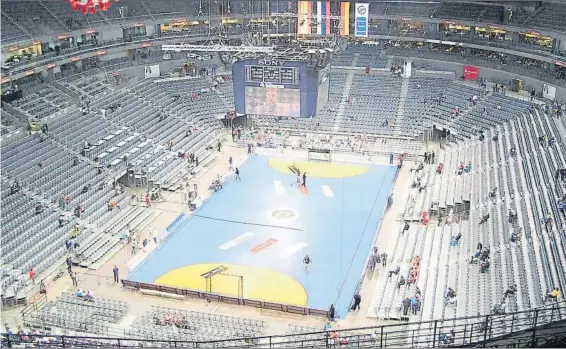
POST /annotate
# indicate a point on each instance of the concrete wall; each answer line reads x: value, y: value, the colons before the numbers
x: 490, y: 75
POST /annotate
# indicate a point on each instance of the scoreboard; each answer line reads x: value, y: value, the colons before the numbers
x: 272, y: 75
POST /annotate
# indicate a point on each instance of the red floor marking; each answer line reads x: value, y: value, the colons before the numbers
x: 263, y: 245
x: 303, y: 190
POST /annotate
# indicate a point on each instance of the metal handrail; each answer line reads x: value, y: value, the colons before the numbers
x: 526, y: 328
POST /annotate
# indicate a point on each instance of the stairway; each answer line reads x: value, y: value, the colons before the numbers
x: 400, y: 114
x: 355, y: 60
x: 465, y: 112
x: 343, y: 101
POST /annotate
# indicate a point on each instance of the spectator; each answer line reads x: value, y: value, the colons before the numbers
x: 396, y: 271
x: 552, y: 295
x: 115, y: 272
x: 510, y: 291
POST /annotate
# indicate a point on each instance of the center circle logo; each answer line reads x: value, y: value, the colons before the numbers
x: 361, y: 10
x: 283, y: 214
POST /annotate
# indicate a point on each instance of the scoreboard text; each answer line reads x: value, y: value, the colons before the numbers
x: 272, y: 75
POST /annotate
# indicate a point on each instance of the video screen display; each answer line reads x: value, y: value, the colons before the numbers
x: 273, y: 101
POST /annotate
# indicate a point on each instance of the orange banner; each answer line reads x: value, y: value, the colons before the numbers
x: 263, y: 245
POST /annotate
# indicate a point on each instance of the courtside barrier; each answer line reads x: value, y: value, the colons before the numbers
x: 293, y: 309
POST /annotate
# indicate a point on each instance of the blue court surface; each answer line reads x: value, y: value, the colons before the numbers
x: 262, y: 226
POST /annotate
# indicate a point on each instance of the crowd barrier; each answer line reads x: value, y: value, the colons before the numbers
x: 544, y: 327
x: 293, y: 309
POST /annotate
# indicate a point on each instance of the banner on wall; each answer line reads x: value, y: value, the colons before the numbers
x: 471, y: 73
x: 323, y: 18
x: 548, y: 92
x: 344, y: 18
x: 361, y: 20
x: 152, y: 71
x: 304, y: 18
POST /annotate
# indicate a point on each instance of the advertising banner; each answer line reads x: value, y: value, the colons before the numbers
x: 152, y: 71
x: 548, y: 92
x: 471, y: 73
x: 361, y: 20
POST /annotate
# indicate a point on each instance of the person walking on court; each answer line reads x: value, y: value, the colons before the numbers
x: 307, y: 262
x: 238, y: 174
x: 230, y: 161
x: 304, y: 179
x: 357, y: 301
x: 115, y: 271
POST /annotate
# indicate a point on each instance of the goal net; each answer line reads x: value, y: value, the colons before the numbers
x: 320, y: 154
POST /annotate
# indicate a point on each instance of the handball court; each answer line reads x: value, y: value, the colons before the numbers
x: 254, y: 233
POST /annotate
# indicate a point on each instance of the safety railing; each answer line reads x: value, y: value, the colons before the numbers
x: 35, y: 304
x: 224, y: 299
x: 532, y: 328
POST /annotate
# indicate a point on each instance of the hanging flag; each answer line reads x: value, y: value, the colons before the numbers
x: 345, y: 18
x: 304, y: 20
x: 327, y: 22
x: 319, y: 15
x: 361, y: 20
x: 323, y: 18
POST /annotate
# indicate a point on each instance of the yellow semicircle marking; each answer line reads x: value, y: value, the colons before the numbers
x: 319, y: 169
x: 259, y: 284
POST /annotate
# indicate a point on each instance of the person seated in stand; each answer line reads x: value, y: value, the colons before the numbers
x: 80, y: 293
x: 89, y: 296
x: 493, y: 193
x: 420, y: 167
x: 63, y: 219
x: 510, y: 291
x: 456, y: 239
x: 450, y: 294
x: 396, y: 271
x: 484, y: 219
x: 439, y: 168
x: 79, y: 210
x: 85, y: 189
x: 460, y: 169
x: 552, y: 295
x: 39, y: 209
x: 112, y: 205
x: 484, y: 266
x: 512, y: 215
x: 15, y: 188
x: 216, y: 185
x: 468, y: 167
x: 401, y: 282
x: 513, y: 151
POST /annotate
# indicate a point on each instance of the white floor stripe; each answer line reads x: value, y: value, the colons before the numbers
x: 327, y: 191
x: 279, y: 188
x: 236, y: 241
x: 291, y: 250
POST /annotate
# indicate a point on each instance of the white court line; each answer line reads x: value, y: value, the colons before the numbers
x: 236, y: 241
x: 278, y: 188
x: 327, y: 191
x: 291, y: 250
